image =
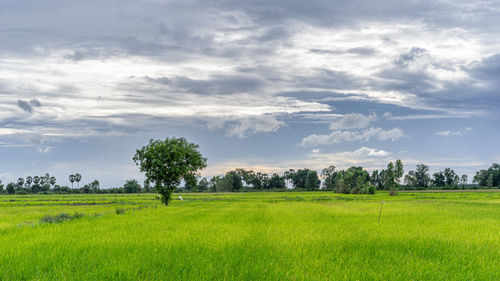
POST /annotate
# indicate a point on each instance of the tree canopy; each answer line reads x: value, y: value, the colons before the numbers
x: 167, y: 162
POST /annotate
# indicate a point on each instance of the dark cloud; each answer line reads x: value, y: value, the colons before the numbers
x: 216, y: 84
x: 274, y: 33
x: 361, y: 51
x: 35, y: 102
x: 329, y: 79
x: 25, y: 106
x: 404, y: 60
x: 487, y: 69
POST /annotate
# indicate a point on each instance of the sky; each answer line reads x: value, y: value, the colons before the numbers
x: 263, y: 85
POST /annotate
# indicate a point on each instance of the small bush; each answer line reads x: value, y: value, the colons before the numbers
x: 371, y: 189
x: 60, y: 218
x: 120, y: 211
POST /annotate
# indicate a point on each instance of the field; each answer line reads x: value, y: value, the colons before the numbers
x: 251, y: 236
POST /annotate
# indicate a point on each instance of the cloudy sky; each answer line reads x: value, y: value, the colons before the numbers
x: 266, y: 85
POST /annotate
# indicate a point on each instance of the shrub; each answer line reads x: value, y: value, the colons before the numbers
x: 60, y: 218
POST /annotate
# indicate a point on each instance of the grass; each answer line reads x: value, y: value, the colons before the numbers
x: 252, y: 236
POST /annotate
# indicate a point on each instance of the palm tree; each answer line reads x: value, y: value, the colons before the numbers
x: 29, y: 180
x: 36, y: 179
x: 78, y: 177
x: 52, y: 181
x: 72, y: 179
x: 42, y: 180
x: 20, y: 182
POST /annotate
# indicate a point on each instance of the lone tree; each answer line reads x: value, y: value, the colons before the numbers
x: 167, y: 162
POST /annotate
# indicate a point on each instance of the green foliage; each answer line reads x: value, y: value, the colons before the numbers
x: 167, y: 162
x: 203, y: 185
x: 489, y: 177
x: 354, y: 180
x: 276, y: 182
x: 329, y: 176
x: 438, y: 179
x: 312, y: 180
x: 232, y: 181
x: 393, y: 176
x: 132, y: 186
x: 418, y: 179
x: 299, y: 178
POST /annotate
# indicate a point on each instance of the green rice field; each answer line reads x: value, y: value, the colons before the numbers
x: 251, y: 236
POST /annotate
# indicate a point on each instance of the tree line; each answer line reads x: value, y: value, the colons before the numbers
x: 354, y: 180
x: 47, y: 185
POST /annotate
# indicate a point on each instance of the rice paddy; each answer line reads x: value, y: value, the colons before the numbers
x: 251, y: 236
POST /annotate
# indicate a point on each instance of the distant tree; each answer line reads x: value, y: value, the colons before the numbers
x: 393, y: 176
x: 374, y: 178
x: 20, y: 182
x: 203, y: 185
x: 167, y: 162
x: 131, y: 186
x: 438, y: 179
x: 276, y: 182
x: 329, y: 174
x: 451, y: 179
x: 232, y: 181
x: 411, y: 180
x: 35, y: 188
x: 248, y: 177
x: 36, y: 179
x: 72, y: 179
x: 489, y: 177
x: 28, y: 181
x: 381, y: 185
x: 52, y: 181
x: 78, y: 178
x: 1, y: 187
x: 490, y: 180
x: 419, y: 178
x: 11, y: 188
x: 213, y: 183
x: 147, y: 186
x: 312, y: 180
x: 298, y: 178
x: 422, y: 176
x: 94, y: 186
x: 463, y: 179
x: 353, y: 180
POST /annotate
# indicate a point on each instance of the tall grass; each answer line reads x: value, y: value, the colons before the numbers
x: 262, y: 236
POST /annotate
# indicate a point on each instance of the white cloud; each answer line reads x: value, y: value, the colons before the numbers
x: 393, y: 134
x: 366, y: 152
x: 353, y: 121
x: 450, y: 133
x: 243, y: 126
x: 350, y: 136
x: 44, y: 149
x: 389, y: 116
